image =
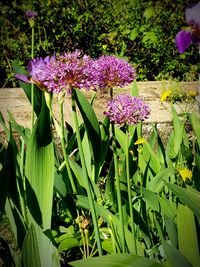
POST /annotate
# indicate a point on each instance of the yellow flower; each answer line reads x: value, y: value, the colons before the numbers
x: 140, y: 141
x: 165, y: 95
x: 185, y: 173
x: 192, y: 93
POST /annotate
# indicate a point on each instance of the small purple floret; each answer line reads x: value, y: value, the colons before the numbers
x: 31, y: 14
x: 126, y: 109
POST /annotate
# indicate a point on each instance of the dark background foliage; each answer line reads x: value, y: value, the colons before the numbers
x: 141, y: 31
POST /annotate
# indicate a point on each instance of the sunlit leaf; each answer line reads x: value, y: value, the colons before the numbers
x: 187, y: 235
x: 196, y: 126
x: 91, y: 123
x: 30, y: 250
x: 68, y: 243
x: 189, y: 197
x: 117, y: 260
x: 39, y: 170
x: 175, y: 258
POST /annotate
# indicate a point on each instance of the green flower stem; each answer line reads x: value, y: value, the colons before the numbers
x: 119, y: 198
x: 85, y: 175
x: 32, y: 85
x: 66, y: 159
x: 129, y: 188
x: 24, y: 205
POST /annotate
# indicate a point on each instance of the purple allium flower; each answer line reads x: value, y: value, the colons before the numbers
x: 31, y: 14
x: 192, y: 35
x: 126, y: 109
x: 64, y: 72
x: 70, y: 70
x: 113, y: 71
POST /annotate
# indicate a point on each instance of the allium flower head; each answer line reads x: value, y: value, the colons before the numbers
x: 191, y: 35
x: 113, y: 71
x: 31, y: 14
x: 126, y: 109
x: 64, y: 72
x: 70, y: 70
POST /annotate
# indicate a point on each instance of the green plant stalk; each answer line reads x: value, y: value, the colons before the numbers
x: 84, y: 246
x: 129, y: 189
x: 32, y: 85
x: 66, y: 159
x: 115, y: 242
x: 119, y: 198
x: 86, y: 178
x: 24, y: 206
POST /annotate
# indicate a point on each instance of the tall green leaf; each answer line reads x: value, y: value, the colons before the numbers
x: 188, y: 196
x: 175, y: 258
x: 39, y: 166
x: 30, y: 250
x: 134, y: 89
x: 38, y: 250
x: 187, y: 235
x: 178, y: 134
x: 117, y: 260
x: 91, y: 124
x: 196, y: 126
x: 157, y: 182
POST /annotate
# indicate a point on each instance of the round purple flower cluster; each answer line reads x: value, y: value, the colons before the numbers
x: 113, y: 71
x: 126, y: 109
x: 71, y: 70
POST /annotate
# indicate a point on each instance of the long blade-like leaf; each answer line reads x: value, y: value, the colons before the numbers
x: 39, y: 166
x: 187, y: 235
x: 91, y: 123
x: 196, y: 126
x: 189, y: 197
x: 175, y: 258
x: 117, y: 260
x: 30, y: 250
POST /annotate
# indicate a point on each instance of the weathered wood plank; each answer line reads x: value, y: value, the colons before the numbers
x: 14, y: 100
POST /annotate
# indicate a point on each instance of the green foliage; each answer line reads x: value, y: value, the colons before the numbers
x: 143, y: 32
x: 50, y: 219
x: 119, y: 260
